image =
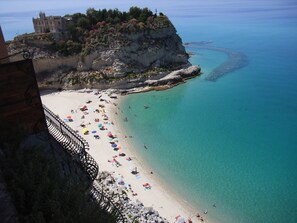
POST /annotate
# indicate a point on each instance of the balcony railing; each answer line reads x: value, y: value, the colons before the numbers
x: 76, y: 146
x: 108, y: 204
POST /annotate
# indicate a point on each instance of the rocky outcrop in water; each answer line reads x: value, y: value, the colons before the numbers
x: 175, y: 76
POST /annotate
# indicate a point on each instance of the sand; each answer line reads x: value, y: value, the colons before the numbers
x: 162, y: 199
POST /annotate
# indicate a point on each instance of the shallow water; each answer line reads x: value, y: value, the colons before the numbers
x: 230, y: 142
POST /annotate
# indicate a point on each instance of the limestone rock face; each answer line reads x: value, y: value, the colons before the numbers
x: 154, y: 48
x: 176, y: 76
x: 138, y: 53
x: 126, y: 60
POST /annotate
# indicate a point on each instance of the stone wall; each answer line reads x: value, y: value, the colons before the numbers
x: 46, y: 66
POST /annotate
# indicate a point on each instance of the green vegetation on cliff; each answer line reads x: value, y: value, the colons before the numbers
x: 104, y: 27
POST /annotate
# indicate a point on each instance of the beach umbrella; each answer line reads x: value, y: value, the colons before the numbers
x: 85, y: 131
x: 69, y: 116
x: 83, y: 108
x: 181, y: 220
x: 100, y: 125
x: 114, y: 145
x: 120, y: 181
x: 94, y: 131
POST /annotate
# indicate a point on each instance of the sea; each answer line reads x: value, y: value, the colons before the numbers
x: 225, y: 144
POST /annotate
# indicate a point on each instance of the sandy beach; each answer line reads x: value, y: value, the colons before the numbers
x: 112, y: 149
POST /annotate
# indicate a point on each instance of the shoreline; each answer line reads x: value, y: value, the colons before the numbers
x: 162, y: 81
x: 160, y: 197
x: 155, y: 178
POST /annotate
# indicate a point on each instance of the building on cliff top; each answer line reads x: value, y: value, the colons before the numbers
x: 52, y: 24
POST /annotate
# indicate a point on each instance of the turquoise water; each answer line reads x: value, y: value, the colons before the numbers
x: 231, y: 142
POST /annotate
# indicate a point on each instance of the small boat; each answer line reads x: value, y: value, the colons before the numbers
x: 206, y: 211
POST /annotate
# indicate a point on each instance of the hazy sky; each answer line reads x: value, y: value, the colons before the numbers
x: 16, y: 15
x: 167, y: 6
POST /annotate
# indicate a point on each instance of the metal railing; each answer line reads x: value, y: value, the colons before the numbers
x: 25, y: 53
x: 108, y: 204
x: 74, y: 144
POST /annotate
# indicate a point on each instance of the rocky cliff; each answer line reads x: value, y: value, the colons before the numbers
x: 120, y: 59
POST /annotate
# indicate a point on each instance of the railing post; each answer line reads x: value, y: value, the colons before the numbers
x: 61, y: 129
